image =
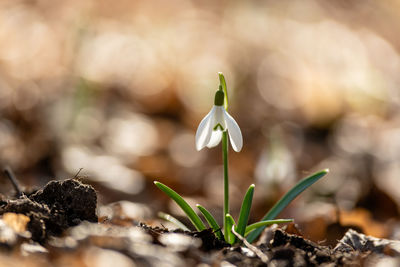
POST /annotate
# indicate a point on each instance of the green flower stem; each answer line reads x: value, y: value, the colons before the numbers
x: 286, y: 199
x: 194, y: 218
x: 226, y: 181
x: 227, y: 230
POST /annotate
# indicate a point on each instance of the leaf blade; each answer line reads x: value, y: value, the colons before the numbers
x: 211, y: 221
x: 230, y: 238
x: 286, y: 199
x: 245, y: 211
x: 256, y: 225
x: 173, y: 220
x: 193, y: 217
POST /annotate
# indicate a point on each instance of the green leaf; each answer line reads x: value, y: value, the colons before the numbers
x: 230, y: 238
x: 173, y: 220
x: 193, y: 217
x: 211, y: 221
x: 286, y: 199
x: 222, y: 83
x: 256, y: 225
x: 245, y: 211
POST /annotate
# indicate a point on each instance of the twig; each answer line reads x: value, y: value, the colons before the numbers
x: 11, y: 176
x: 76, y: 175
x: 254, y: 249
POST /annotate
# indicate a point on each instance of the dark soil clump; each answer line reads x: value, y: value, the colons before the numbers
x: 70, y: 199
x: 59, y: 205
x: 293, y: 248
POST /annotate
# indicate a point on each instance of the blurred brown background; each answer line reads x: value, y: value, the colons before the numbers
x: 118, y: 89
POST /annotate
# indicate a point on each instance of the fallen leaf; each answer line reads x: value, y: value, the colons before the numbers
x: 18, y: 222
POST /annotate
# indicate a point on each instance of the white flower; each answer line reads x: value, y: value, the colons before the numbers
x: 209, y: 132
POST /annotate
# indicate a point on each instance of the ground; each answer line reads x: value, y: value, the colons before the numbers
x: 58, y: 225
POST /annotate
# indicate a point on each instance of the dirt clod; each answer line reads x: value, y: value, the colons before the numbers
x: 54, y: 208
x: 70, y: 199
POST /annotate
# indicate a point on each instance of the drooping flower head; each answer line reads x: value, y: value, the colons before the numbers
x: 209, y: 132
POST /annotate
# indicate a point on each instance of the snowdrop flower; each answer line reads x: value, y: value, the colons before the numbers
x: 209, y: 132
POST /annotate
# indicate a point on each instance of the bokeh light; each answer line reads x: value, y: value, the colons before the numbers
x: 119, y: 89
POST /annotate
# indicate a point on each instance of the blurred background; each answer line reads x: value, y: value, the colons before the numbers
x: 118, y: 90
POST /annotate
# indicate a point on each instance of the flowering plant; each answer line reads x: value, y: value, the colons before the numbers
x: 215, y: 127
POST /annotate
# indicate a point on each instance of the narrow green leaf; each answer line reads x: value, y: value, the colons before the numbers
x: 173, y: 220
x: 193, y: 217
x: 211, y: 221
x: 222, y: 83
x: 230, y: 238
x: 286, y: 199
x: 256, y: 225
x: 245, y: 211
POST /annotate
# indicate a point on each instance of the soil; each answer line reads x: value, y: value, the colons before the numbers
x: 58, y: 224
x: 54, y: 208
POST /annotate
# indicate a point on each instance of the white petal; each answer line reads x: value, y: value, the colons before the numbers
x: 219, y: 117
x: 216, y: 137
x: 203, y: 133
x: 235, y: 135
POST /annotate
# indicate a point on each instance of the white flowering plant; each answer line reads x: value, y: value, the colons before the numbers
x: 215, y: 127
